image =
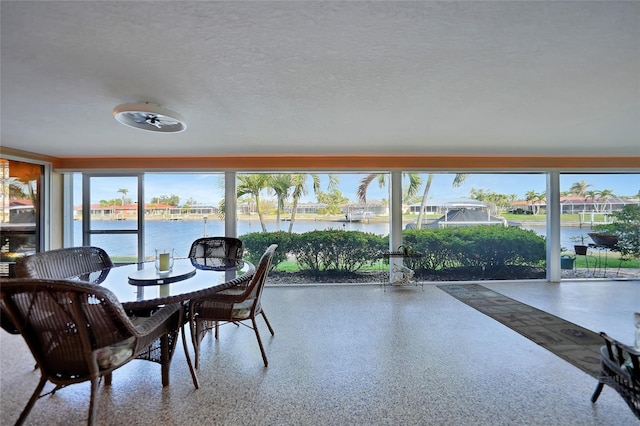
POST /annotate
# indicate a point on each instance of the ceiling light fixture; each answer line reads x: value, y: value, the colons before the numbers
x: 149, y: 116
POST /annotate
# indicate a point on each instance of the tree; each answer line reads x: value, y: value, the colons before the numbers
x: 299, y: 184
x: 603, y: 198
x: 124, y: 192
x: 171, y: 200
x: 534, y: 198
x: 457, y: 181
x: 414, y: 184
x: 579, y: 188
x: 252, y: 185
x: 500, y: 201
x: 626, y: 226
x: 280, y: 185
x: 333, y: 199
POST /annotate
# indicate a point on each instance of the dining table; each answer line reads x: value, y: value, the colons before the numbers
x: 140, y: 285
x: 141, y: 288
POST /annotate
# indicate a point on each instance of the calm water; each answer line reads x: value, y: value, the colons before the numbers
x: 180, y: 233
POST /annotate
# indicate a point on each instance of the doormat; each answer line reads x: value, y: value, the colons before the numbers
x: 574, y: 344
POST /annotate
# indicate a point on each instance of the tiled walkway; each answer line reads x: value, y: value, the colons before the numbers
x: 358, y: 355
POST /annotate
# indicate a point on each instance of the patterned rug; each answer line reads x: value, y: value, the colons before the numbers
x: 574, y: 344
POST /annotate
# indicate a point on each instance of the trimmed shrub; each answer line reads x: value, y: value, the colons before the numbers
x: 338, y: 250
x: 490, y: 246
x: 255, y: 244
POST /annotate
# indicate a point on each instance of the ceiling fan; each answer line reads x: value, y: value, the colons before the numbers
x: 149, y: 116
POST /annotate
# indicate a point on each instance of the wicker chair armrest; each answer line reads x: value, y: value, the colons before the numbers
x: 214, y: 292
x: 157, y: 319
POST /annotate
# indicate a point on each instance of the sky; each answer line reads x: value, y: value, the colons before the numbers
x: 207, y: 189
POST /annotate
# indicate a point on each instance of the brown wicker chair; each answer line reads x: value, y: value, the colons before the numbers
x: 207, y: 248
x: 79, y: 332
x: 90, y: 265
x: 74, y: 262
x: 620, y: 369
x: 235, y: 305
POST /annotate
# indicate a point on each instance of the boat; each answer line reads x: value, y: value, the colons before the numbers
x: 465, y: 216
x: 359, y: 215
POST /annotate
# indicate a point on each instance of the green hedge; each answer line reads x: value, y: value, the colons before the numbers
x: 255, y: 244
x: 346, y: 251
x: 476, y: 246
x: 350, y: 251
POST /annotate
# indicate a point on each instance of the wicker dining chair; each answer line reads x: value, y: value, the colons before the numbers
x: 71, y: 262
x: 74, y: 262
x: 620, y: 369
x: 206, y: 248
x: 237, y: 305
x: 90, y: 265
x: 79, y: 332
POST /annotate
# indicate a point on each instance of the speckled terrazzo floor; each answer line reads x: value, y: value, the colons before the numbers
x: 358, y: 355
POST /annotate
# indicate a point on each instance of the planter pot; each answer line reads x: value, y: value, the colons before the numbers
x: 580, y: 250
x: 603, y: 239
x: 566, y: 262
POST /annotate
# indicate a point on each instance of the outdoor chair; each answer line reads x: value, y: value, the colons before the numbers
x: 90, y: 265
x: 65, y: 263
x: 238, y: 305
x: 79, y: 332
x: 620, y: 369
x: 207, y: 248
x: 75, y: 262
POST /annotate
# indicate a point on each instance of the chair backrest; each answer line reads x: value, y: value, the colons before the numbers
x: 254, y: 290
x: 72, y: 262
x: 207, y: 248
x: 66, y: 324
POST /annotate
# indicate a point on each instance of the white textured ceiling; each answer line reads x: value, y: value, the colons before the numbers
x: 539, y: 78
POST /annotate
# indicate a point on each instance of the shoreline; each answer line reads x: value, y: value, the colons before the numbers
x: 331, y: 218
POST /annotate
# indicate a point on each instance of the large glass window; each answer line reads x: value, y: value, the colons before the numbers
x: 600, y: 217
x: 468, y: 226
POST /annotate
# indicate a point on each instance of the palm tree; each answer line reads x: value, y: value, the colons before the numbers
x: 579, y: 188
x: 533, y: 197
x: 280, y: 184
x: 299, y: 184
x: 124, y: 192
x: 252, y: 185
x: 458, y: 179
x: 603, y: 196
x: 414, y: 184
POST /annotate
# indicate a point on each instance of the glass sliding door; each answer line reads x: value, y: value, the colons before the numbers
x: 110, y: 217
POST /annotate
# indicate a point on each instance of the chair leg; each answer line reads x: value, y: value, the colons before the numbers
x: 194, y: 328
x: 107, y: 379
x: 264, y: 355
x: 596, y: 393
x: 194, y: 376
x: 93, y: 405
x: 32, y: 401
x: 267, y: 321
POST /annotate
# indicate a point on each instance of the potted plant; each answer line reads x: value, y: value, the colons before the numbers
x: 580, y: 249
